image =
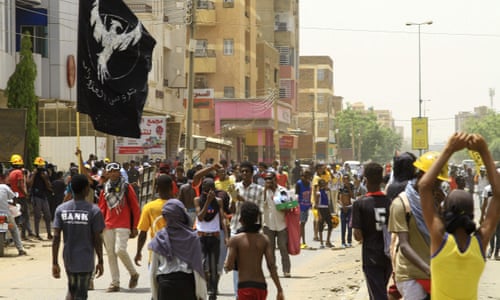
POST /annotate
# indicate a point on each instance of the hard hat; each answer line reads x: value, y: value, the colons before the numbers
x: 16, y: 159
x: 335, y: 220
x: 39, y: 162
x: 424, y: 163
x: 107, y: 160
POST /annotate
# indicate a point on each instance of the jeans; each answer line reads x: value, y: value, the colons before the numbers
x: 345, y: 219
x: 25, y: 217
x: 41, y: 205
x: 78, y: 285
x: 282, y: 237
x: 222, y: 252
x: 14, y: 232
x: 115, y: 242
x: 210, y: 246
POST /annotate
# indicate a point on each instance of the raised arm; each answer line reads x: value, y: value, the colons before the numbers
x: 456, y: 142
x: 488, y: 226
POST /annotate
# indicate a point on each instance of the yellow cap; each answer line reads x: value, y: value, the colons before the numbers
x: 39, y: 161
x: 425, y: 161
x: 16, y: 159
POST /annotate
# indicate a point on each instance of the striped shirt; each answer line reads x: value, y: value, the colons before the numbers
x: 253, y: 193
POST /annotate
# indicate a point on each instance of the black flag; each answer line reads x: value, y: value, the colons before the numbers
x: 114, y: 59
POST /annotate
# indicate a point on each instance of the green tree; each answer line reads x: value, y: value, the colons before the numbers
x: 20, y: 93
x: 377, y: 143
x: 487, y: 126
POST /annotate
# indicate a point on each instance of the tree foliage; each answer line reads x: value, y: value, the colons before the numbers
x: 20, y: 93
x: 487, y: 126
x: 377, y: 143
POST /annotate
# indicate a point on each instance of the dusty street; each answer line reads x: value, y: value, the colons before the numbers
x: 316, y: 274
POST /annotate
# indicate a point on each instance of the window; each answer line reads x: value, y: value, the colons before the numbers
x: 201, y: 48
x: 228, y: 92
x: 321, y: 74
x: 228, y: 46
x: 321, y: 124
x: 39, y: 39
x: 228, y: 3
x: 321, y: 99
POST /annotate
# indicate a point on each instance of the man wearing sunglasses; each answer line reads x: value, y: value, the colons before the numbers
x: 244, y: 190
x: 120, y: 208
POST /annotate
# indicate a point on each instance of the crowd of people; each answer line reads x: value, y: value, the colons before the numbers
x: 412, y: 219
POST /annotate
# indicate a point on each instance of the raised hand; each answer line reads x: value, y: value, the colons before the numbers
x: 458, y: 141
x: 477, y: 143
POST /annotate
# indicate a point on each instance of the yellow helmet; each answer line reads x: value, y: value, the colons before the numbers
x: 425, y: 162
x: 16, y: 159
x: 39, y: 162
x: 335, y: 221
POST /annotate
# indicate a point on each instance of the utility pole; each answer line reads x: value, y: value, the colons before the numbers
x: 188, y: 147
x: 277, y: 153
x: 492, y: 94
x: 313, y: 130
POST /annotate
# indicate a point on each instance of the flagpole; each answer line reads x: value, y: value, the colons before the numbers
x: 188, y: 148
x: 78, y: 138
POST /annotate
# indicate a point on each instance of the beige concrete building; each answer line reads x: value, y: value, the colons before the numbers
x: 245, y: 61
x: 316, y: 109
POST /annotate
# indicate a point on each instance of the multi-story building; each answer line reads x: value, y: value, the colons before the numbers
x: 463, y: 117
x: 245, y: 60
x: 53, y: 27
x: 316, y: 109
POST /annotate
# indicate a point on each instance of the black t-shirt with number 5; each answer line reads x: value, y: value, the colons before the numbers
x: 370, y: 214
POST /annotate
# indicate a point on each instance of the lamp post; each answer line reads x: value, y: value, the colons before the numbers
x: 419, y: 69
x: 312, y: 98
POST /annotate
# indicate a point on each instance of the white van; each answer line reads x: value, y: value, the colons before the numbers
x: 355, y: 165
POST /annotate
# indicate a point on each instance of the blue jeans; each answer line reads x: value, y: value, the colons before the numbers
x: 210, y: 246
x: 345, y: 219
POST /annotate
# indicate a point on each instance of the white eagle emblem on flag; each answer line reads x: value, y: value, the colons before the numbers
x: 114, y: 38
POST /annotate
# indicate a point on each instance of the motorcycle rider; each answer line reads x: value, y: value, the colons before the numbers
x: 7, y: 194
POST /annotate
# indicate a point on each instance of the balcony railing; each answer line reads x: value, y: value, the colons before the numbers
x: 204, y: 53
x: 140, y: 8
x: 205, y: 4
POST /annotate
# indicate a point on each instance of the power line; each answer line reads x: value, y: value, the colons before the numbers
x: 401, y: 32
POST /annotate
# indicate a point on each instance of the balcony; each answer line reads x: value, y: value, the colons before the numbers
x: 140, y: 8
x: 284, y: 37
x: 205, y: 61
x: 205, y: 13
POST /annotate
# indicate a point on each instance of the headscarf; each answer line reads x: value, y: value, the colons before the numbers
x: 458, y: 212
x: 178, y: 238
x: 114, y: 193
x: 416, y: 209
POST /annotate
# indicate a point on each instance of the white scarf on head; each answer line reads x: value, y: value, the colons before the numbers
x: 114, y: 194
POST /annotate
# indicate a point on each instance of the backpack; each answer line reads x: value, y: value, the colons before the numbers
x: 394, y: 240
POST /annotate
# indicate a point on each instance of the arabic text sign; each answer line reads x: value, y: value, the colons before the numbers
x: 152, y: 140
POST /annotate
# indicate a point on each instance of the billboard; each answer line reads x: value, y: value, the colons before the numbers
x: 419, y: 134
x: 152, y: 140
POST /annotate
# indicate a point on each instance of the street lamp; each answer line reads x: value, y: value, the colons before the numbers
x: 419, y: 69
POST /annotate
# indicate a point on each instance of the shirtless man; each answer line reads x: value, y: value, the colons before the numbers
x: 246, y: 250
x: 346, y: 194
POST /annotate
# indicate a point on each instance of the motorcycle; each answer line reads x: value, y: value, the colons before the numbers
x: 4, y: 227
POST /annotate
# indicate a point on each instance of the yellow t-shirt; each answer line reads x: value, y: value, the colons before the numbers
x: 224, y: 185
x: 456, y: 274
x: 150, y: 212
